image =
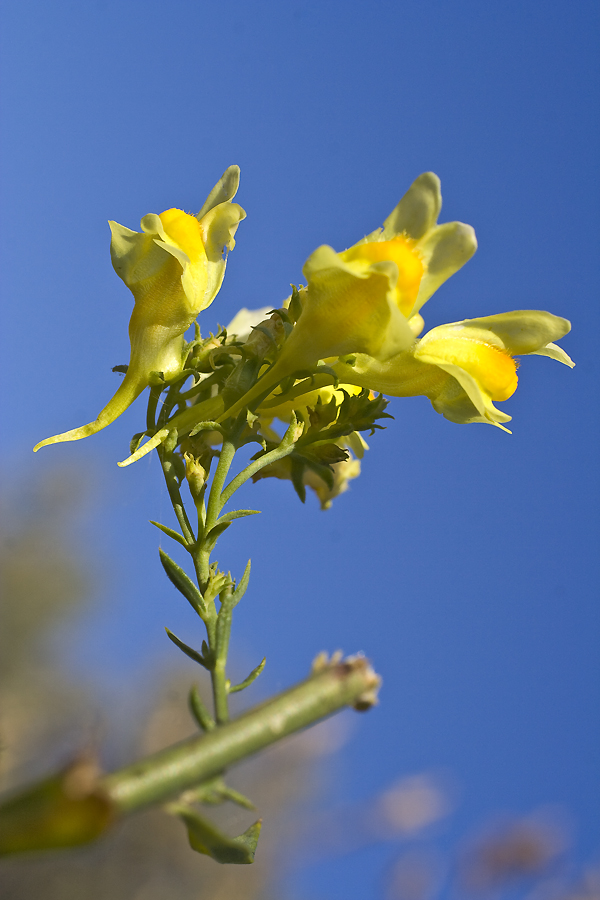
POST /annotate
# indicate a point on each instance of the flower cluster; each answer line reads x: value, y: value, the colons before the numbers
x: 314, y: 364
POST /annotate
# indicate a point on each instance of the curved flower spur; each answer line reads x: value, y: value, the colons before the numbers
x: 174, y: 268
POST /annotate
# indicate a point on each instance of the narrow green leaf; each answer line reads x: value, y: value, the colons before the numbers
x: 170, y: 533
x: 184, y: 585
x: 214, y: 534
x: 295, y: 307
x: 189, y: 651
x: 199, y: 710
x: 251, y: 677
x: 238, y: 514
x: 228, y: 793
x: 297, y: 473
x: 205, y: 838
x: 214, y: 792
x: 241, y: 587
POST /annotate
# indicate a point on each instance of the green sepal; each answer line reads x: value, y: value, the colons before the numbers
x: 206, y: 839
x: 324, y: 453
x: 241, y: 380
x: 183, y: 583
x: 360, y: 412
x: 205, y: 426
x: 136, y: 440
x: 233, y: 689
x: 170, y: 533
x: 189, y: 651
x: 297, y: 475
x: 324, y: 471
x: 295, y: 307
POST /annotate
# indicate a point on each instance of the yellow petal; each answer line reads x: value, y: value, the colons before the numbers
x: 494, y: 370
x: 184, y: 230
x: 402, y: 251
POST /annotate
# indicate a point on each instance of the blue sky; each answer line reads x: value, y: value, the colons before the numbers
x: 464, y: 560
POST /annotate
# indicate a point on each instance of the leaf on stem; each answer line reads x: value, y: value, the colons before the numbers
x: 199, y: 710
x: 251, y: 677
x: 238, y: 514
x: 215, y: 792
x: 240, y: 590
x: 170, y: 533
x: 214, y: 534
x: 189, y: 651
x: 205, y: 838
x: 184, y: 585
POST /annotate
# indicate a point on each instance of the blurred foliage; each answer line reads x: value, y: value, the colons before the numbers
x: 41, y: 715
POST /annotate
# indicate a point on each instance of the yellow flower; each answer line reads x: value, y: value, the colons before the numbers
x: 367, y: 298
x: 362, y: 300
x: 465, y: 366
x: 174, y: 268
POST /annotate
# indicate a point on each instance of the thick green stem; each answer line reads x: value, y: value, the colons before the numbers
x: 163, y: 775
x: 75, y: 806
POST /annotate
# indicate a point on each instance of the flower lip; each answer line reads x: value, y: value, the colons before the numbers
x: 494, y: 369
x: 185, y: 231
x: 402, y: 251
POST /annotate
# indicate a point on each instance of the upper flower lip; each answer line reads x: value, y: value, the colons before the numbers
x: 444, y: 249
x: 438, y: 252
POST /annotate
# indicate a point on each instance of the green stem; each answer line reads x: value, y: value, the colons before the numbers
x: 217, y: 624
x: 284, y: 449
x: 219, y: 678
x: 215, y: 501
x: 163, y: 775
x: 175, y: 496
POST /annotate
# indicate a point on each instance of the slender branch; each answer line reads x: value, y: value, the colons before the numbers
x: 284, y: 449
x: 166, y: 462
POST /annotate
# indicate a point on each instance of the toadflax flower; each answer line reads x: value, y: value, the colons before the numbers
x: 367, y: 298
x: 465, y: 366
x: 174, y: 268
x: 363, y: 299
